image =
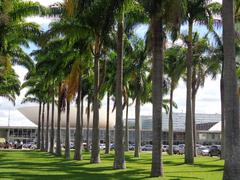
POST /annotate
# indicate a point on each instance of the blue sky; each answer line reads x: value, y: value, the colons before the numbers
x: 208, y: 98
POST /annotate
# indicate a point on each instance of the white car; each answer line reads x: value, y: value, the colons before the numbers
x: 147, y: 147
x: 102, y: 146
x: 204, y: 151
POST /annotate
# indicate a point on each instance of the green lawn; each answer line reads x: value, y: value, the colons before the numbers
x: 39, y: 165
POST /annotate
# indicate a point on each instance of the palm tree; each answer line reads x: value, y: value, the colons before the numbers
x: 139, y: 83
x: 119, y: 160
x: 107, y: 149
x: 126, y: 135
x: 51, y: 148
x: 15, y: 31
x: 47, y: 129
x: 67, y: 137
x: 35, y: 93
x: 157, y: 43
x: 197, y: 11
x: 10, y: 85
x: 217, y: 53
x: 203, y: 66
x: 77, y: 153
x: 88, y: 119
x: 231, y: 101
x: 174, y: 68
x: 42, y: 130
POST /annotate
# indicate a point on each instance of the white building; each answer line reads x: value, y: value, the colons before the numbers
x: 17, y: 127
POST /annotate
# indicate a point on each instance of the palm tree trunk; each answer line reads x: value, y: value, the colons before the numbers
x: 67, y: 137
x: 189, y: 155
x: 126, y: 129
x: 47, y: 129
x: 52, y: 128
x: 81, y: 130
x: 137, y: 128
x: 194, y: 122
x: 95, y: 154
x: 78, y: 124
x: 58, y: 138
x: 170, y: 125
x: 39, y: 126
x: 231, y: 99
x: 107, y: 150
x: 119, y: 160
x: 88, y: 119
x: 157, y: 90
x: 222, y: 115
x: 43, y: 116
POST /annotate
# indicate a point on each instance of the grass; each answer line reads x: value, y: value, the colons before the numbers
x: 40, y: 165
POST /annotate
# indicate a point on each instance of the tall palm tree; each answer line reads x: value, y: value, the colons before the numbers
x: 52, y: 134
x: 43, y: 127
x: 35, y: 93
x: 197, y: 11
x: 119, y: 160
x: 153, y: 8
x: 47, y: 128
x: 203, y: 66
x: 174, y: 68
x: 231, y: 100
x: 67, y: 137
x: 139, y: 83
x: 107, y: 149
x: 217, y: 53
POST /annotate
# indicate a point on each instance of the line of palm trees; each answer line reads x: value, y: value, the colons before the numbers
x: 92, y: 50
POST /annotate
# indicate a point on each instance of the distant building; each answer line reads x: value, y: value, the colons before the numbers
x: 17, y: 127
x: 23, y: 126
x: 204, y: 123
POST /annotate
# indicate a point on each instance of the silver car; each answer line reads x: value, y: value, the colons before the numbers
x: 147, y: 147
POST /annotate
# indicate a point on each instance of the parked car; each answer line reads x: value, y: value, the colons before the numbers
x: 72, y: 146
x: 175, y: 149
x: 181, y: 148
x: 111, y: 146
x: 131, y: 146
x: 102, y: 146
x: 27, y: 145
x: 165, y: 148
x: 215, y: 150
x: 34, y: 146
x: 147, y: 147
x: 203, y: 150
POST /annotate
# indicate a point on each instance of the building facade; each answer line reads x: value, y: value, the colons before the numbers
x: 24, y: 128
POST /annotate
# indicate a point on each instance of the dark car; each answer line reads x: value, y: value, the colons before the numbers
x: 131, y: 146
x: 175, y: 149
x: 215, y: 150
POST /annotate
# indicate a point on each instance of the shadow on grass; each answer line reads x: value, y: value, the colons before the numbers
x: 44, y: 166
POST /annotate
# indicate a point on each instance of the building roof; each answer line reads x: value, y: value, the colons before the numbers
x: 16, y: 119
x: 216, y: 128
x: 178, y: 121
x: 32, y: 114
x: 205, y: 126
